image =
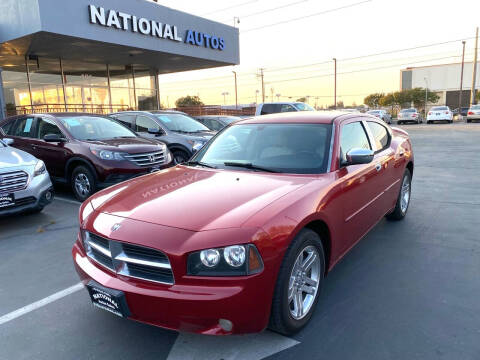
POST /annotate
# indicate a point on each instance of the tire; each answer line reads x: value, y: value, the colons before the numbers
x: 180, y: 156
x: 82, y: 182
x: 399, y: 122
x: 400, y: 207
x: 429, y: 122
x: 469, y: 120
x: 450, y: 121
x: 282, y: 316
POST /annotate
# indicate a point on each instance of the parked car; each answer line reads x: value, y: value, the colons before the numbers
x: 216, y: 123
x: 473, y: 113
x: 241, y: 237
x: 381, y: 114
x: 409, y: 115
x: 463, y: 111
x: 86, y: 151
x: 24, y: 182
x: 281, y: 107
x: 182, y: 134
x: 439, y: 113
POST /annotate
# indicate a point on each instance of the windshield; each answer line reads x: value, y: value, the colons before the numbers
x: 303, y: 107
x: 374, y: 112
x: 230, y: 119
x: 95, y: 128
x: 436, y: 108
x: 286, y: 148
x: 181, y: 123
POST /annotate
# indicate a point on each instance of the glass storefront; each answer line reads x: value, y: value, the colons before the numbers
x: 37, y: 86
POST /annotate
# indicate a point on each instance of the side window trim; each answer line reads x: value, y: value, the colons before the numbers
x: 371, y: 138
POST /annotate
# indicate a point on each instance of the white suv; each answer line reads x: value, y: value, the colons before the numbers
x: 280, y: 107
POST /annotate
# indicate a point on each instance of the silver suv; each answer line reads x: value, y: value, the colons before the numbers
x: 25, y: 185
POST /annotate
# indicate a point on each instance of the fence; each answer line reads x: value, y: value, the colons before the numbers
x: 216, y: 110
x: 56, y: 108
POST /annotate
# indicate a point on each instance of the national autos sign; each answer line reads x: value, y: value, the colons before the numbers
x: 128, y: 22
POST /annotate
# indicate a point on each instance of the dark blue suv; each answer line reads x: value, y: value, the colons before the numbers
x: 183, y: 135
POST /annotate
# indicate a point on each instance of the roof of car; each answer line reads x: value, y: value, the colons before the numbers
x: 309, y: 117
x: 58, y: 114
x: 148, y: 112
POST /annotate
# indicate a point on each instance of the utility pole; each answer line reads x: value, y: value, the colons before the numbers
x: 236, y: 91
x: 263, y: 84
x: 224, y: 97
x: 335, y: 86
x: 461, y: 81
x: 472, y: 100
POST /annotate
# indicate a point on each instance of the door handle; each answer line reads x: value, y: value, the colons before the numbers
x: 378, y: 167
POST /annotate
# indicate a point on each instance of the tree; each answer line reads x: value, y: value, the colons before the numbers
x: 189, y: 101
x: 417, y: 96
x: 302, y: 99
x: 373, y: 100
x: 477, y: 96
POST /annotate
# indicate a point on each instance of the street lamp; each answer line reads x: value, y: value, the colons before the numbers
x: 224, y: 97
x: 278, y: 96
x: 335, y: 88
x: 236, y: 92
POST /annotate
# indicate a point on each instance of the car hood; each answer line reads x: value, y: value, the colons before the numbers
x: 131, y: 145
x: 14, y: 158
x: 196, y: 199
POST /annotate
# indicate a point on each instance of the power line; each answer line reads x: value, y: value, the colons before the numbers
x: 272, y: 9
x: 372, y: 55
x: 230, y: 7
x: 308, y: 16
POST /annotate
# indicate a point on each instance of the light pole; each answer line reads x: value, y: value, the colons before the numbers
x: 224, y: 97
x: 236, y: 92
x: 461, y: 82
x: 256, y: 96
x: 278, y: 96
x: 335, y: 86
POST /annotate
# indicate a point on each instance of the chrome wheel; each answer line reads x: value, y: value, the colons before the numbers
x: 82, y: 184
x: 405, y: 194
x: 304, y: 282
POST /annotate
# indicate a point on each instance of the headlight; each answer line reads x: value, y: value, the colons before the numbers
x: 236, y: 260
x: 196, y: 145
x: 107, y: 155
x: 39, y: 168
x: 169, y: 157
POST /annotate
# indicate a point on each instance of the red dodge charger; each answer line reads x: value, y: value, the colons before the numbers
x: 242, y: 236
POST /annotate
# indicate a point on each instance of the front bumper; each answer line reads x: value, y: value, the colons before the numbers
x: 187, y: 307
x: 38, y: 194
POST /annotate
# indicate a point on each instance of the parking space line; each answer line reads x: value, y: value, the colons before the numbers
x: 40, y: 303
x: 67, y: 200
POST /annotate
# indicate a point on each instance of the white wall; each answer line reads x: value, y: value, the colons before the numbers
x: 445, y: 77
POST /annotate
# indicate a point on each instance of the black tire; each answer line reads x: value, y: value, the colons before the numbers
x: 469, y: 120
x: 399, y: 122
x: 429, y: 122
x: 83, y: 173
x: 281, y: 319
x: 398, y: 213
x: 180, y: 156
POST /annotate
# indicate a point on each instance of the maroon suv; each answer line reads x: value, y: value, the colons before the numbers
x: 87, y: 151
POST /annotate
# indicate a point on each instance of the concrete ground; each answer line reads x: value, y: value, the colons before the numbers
x: 409, y: 290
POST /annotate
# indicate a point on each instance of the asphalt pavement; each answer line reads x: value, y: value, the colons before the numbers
x: 408, y: 290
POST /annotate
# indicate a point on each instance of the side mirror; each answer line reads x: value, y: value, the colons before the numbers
x: 54, y: 138
x: 359, y: 156
x: 7, y: 141
x: 156, y: 132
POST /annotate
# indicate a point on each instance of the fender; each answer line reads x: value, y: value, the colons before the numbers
x: 176, y: 146
x: 84, y: 161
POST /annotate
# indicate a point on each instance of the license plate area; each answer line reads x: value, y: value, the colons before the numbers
x: 107, y: 299
x: 7, y: 200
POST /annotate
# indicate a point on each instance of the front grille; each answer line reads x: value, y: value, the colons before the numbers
x: 13, y: 181
x: 129, y: 260
x: 147, y: 159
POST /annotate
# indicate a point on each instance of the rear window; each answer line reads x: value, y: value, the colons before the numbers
x: 436, y: 108
x: 475, y: 107
x: 409, y: 111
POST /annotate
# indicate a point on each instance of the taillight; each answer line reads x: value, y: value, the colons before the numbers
x: 429, y: 113
x: 447, y: 112
x: 471, y: 113
x: 414, y: 115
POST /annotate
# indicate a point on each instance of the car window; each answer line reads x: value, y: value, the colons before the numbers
x: 475, y: 107
x: 437, y: 108
x: 271, y: 109
x: 144, y: 123
x: 181, y: 123
x: 126, y: 119
x: 46, y: 126
x: 92, y: 128
x: 288, y: 148
x: 6, y: 128
x: 215, y: 125
x: 287, y: 108
x: 23, y: 127
x: 352, y: 136
x: 303, y: 107
x: 380, y: 135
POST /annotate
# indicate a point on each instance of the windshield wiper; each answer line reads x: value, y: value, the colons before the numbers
x: 199, y: 163
x: 249, y: 166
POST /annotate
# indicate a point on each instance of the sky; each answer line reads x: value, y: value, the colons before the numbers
x: 342, y: 29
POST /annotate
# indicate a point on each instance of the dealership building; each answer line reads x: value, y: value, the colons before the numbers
x: 444, y: 80
x: 101, y: 55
